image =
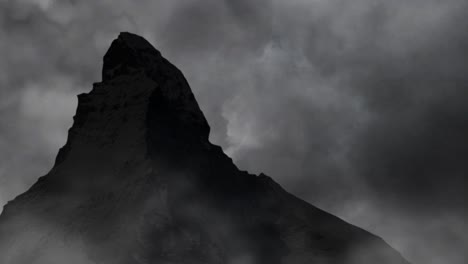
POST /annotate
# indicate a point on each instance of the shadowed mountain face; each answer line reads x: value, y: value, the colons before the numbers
x: 139, y: 182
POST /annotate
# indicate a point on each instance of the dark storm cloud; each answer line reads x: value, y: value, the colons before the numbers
x: 356, y: 106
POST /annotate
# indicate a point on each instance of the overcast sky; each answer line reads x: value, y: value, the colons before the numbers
x: 357, y: 106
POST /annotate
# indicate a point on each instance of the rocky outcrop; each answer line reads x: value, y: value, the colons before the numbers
x: 139, y: 182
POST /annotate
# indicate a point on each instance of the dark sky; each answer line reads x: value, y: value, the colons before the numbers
x: 357, y: 106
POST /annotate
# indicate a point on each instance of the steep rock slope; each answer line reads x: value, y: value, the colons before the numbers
x: 139, y: 182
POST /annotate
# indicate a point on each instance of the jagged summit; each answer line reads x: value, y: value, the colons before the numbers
x: 129, y: 53
x: 139, y: 182
x: 142, y: 97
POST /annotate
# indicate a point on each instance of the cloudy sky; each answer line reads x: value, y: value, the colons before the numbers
x: 357, y: 106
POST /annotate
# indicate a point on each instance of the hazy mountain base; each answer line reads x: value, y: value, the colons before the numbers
x: 139, y: 182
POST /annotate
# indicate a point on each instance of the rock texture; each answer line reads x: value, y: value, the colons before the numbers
x: 139, y: 182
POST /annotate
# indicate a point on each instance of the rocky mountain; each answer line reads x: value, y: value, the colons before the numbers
x: 139, y: 182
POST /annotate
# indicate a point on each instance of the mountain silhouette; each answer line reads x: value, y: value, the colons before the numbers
x: 139, y: 182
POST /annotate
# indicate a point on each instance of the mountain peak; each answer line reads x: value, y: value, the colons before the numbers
x: 142, y: 97
x: 129, y: 53
x: 171, y: 99
x: 135, y: 41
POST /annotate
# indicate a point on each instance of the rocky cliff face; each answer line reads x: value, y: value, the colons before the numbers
x: 139, y: 182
